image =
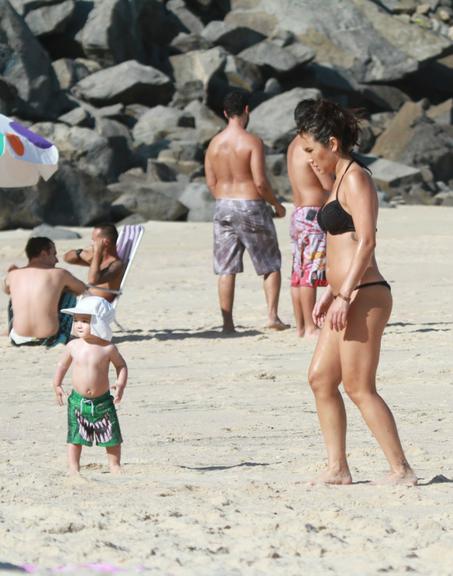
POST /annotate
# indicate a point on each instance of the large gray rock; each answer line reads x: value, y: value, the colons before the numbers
x: 233, y: 38
x: 207, y: 124
x: 8, y: 97
x: 184, y: 156
x: 273, y: 121
x: 198, y: 199
x: 414, y: 139
x: 26, y: 65
x: 73, y: 198
x: 156, y: 124
x: 361, y: 36
x: 69, y: 71
x: 120, y: 142
x: 127, y: 83
x: 275, y: 60
x: 54, y: 232
x: 188, y: 19
x: 111, y: 34
x: 19, y: 208
x: 442, y: 113
x: 393, y: 141
x: 242, y: 74
x: 50, y: 18
x: 195, y: 72
x: 389, y: 175
x: 184, y: 42
x: 83, y: 147
x: 152, y: 201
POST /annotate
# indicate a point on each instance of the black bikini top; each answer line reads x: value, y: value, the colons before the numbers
x: 332, y: 217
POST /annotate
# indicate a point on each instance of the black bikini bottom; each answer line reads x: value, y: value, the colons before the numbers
x: 377, y: 283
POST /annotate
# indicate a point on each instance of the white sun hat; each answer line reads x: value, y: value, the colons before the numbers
x: 101, y: 311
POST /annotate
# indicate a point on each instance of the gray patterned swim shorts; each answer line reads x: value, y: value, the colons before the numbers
x: 244, y: 225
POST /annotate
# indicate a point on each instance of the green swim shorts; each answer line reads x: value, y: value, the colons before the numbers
x: 93, y: 419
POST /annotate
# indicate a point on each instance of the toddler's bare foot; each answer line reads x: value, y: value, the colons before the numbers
x: 333, y: 476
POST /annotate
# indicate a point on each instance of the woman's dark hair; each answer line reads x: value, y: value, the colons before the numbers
x: 323, y: 119
x: 235, y: 103
x: 37, y: 245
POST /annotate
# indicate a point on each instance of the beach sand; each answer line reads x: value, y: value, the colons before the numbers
x: 221, y: 434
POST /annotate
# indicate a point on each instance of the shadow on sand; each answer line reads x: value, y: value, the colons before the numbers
x: 179, y: 334
x: 439, y: 479
x: 430, y: 326
x: 217, y: 468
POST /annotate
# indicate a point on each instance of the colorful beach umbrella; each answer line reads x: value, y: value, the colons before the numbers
x: 25, y: 157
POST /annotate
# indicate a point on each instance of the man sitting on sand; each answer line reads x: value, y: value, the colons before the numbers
x: 106, y: 269
x: 236, y: 176
x: 38, y: 292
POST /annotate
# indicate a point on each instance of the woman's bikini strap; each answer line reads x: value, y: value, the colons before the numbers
x: 341, y: 179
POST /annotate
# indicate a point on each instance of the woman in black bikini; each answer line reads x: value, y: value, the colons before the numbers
x: 356, y: 306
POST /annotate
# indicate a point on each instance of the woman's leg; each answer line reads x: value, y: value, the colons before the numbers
x: 359, y: 352
x: 324, y: 377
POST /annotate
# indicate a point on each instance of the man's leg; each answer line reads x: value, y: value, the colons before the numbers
x: 307, y: 297
x: 298, y: 311
x: 272, y: 284
x: 226, y: 287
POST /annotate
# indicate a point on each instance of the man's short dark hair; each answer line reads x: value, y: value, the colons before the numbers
x: 37, y: 245
x: 235, y: 103
x: 108, y: 231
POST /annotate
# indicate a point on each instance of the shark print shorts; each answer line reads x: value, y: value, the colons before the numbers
x: 93, y: 420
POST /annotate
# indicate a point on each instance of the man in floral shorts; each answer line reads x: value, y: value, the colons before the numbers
x: 310, y: 191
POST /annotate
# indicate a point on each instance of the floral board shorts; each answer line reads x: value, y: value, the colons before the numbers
x: 244, y: 225
x: 93, y: 419
x: 308, y: 248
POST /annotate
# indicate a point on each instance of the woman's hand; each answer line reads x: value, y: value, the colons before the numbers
x: 338, y: 314
x: 321, y: 307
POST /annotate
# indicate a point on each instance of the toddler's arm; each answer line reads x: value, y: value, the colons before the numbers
x: 121, y: 374
x: 62, y: 368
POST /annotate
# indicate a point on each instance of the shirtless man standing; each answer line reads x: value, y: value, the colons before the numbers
x: 106, y: 269
x: 308, y: 240
x: 235, y: 174
x: 38, y: 291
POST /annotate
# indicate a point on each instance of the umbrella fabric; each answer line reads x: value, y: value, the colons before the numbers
x: 25, y: 157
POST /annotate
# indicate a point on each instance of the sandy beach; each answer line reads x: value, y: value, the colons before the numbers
x: 221, y: 434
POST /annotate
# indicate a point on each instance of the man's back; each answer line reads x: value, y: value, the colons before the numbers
x: 35, y: 293
x: 305, y: 184
x: 230, y: 155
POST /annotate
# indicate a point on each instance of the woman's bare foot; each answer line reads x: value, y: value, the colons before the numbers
x: 333, y: 476
x: 300, y: 332
x: 116, y: 469
x: 312, y: 332
x: 405, y: 477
